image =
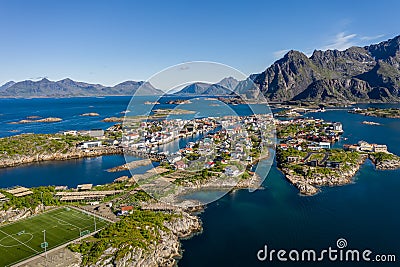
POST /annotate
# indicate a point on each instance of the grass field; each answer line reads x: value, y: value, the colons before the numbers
x: 23, y: 239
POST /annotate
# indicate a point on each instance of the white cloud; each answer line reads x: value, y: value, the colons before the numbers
x: 370, y: 38
x: 341, y: 41
x: 280, y: 53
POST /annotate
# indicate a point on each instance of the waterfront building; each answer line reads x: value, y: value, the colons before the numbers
x: 71, y: 132
x: 84, y: 187
x: 337, y: 126
x: 325, y: 145
x: 91, y: 144
x: 380, y: 148
x: 365, y: 146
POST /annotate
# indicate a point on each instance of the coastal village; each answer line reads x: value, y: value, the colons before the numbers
x: 220, y: 152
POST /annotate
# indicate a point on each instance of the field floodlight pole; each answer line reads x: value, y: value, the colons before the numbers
x: 94, y: 219
x: 44, y: 242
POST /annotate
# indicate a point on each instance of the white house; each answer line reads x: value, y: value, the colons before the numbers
x: 337, y: 126
x: 325, y: 145
x: 71, y: 132
x: 91, y: 144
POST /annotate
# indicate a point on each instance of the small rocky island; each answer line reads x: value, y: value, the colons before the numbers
x: 35, y: 119
x: 157, y: 113
x: 113, y: 119
x: 90, y: 114
x: 378, y: 112
x: 176, y: 111
x: 371, y: 123
x: 179, y: 102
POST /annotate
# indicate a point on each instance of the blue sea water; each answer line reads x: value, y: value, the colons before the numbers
x: 365, y: 213
x: 70, y: 109
x: 71, y: 172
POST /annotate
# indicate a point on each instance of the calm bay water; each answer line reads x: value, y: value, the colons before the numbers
x: 70, y: 172
x: 365, y: 213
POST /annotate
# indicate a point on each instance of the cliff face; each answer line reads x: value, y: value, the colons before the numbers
x: 287, y: 77
x: 355, y: 74
x: 336, y: 90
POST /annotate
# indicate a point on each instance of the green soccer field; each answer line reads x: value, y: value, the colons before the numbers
x: 23, y: 239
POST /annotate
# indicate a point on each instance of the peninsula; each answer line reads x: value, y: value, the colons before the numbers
x: 306, y: 157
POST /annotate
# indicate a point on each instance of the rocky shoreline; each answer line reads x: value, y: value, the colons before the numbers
x: 179, y: 101
x: 371, y: 123
x: 388, y: 164
x: 90, y: 114
x: 113, y: 119
x: 73, y: 154
x: 309, y: 187
x: 165, y: 252
x: 393, y: 113
x: 33, y: 119
x: 130, y: 165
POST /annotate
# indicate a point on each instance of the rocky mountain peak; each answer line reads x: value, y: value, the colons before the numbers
x: 359, y: 73
x: 385, y: 49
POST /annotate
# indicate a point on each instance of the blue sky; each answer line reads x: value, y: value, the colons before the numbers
x: 112, y: 41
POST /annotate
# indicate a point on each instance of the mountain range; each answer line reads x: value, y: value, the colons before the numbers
x: 369, y: 73
x: 357, y: 74
x: 224, y: 87
x: 70, y: 88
